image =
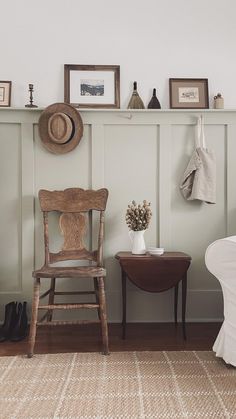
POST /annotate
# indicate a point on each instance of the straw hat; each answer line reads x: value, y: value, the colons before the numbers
x: 60, y: 128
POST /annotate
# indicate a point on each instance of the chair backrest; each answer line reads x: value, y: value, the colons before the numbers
x: 74, y: 206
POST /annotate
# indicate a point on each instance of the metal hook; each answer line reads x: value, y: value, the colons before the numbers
x: 130, y: 116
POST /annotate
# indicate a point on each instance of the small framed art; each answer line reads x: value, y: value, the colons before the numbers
x: 189, y: 93
x: 5, y: 93
x: 92, y: 86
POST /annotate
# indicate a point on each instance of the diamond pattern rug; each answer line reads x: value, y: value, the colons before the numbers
x: 121, y: 385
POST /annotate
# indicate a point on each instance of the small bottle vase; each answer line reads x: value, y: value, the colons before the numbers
x: 154, y: 102
x: 218, y: 103
x: 138, y: 243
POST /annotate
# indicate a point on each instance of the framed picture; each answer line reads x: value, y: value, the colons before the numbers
x: 189, y: 93
x: 92, y: 86
x: 5, y: 93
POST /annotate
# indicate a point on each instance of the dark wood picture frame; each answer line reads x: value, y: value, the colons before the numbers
x: 5, y: 93
x: 98, y: 99
x: 188, y: 93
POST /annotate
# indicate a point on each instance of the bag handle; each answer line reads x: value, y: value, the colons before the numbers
x: 200, y: 140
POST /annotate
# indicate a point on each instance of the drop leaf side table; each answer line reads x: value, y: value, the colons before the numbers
x: 155, y: 274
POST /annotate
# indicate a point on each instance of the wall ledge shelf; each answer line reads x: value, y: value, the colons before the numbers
x: 105, y: 117
x: 139, y: 111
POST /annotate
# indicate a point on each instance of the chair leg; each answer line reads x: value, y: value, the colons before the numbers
x: 95, y: 280
x: 33, y: 324
x: 51, y: 298
x: 103, y: 315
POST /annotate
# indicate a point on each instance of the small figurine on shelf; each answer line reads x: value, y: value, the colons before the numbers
x: 218, y: 101
x: 135, y: 100
x: 30, y: 105
x: 154, y: 102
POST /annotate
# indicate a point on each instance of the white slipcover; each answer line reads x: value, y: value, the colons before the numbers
x: 220, y: 259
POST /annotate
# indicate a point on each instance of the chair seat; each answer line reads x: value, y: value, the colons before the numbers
x: 71, y: 272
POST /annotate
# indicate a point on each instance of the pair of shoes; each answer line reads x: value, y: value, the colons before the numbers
x: 9, y: 321
x: 15, y: 325
x: 20, y: 329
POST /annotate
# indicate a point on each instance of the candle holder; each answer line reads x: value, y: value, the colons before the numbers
x: 31, y: 105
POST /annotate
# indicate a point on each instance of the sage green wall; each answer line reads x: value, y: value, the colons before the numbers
x: 136, y: 155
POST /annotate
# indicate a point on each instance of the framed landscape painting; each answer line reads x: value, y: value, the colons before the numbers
x: 92, y: 86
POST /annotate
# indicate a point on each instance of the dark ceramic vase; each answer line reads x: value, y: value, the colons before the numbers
x: 154, y: 102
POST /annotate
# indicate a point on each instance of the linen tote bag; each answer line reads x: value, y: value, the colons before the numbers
x: 199, y: 178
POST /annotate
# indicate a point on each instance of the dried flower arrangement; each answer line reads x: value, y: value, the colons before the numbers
x: 138, y: 216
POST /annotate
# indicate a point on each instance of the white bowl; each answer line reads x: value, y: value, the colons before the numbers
x: 155, y: 251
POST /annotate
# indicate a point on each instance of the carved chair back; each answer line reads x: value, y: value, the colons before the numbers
x: 75, y: 206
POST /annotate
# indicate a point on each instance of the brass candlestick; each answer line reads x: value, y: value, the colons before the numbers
x: 30, y: 105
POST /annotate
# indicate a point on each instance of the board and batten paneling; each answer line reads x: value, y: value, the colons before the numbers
x: 136, y: 155
x: 10, y: 226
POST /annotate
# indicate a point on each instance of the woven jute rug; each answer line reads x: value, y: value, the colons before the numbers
x: 121, y: 385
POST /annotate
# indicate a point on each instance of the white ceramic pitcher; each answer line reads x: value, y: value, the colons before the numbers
x: 138, y: 243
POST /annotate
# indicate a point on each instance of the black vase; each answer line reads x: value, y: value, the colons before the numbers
x: 154, y: 102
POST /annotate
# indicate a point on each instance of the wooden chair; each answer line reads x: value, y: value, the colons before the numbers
x: 75, y: 206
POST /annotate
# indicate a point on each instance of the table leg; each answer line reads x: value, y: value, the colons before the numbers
x: 176, y: 302
x: 184, y: 292
x: 123, y: 303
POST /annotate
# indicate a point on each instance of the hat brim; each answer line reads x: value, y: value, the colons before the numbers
x: 77, y: 131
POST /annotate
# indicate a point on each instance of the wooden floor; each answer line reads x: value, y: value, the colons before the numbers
x: 140, y: 337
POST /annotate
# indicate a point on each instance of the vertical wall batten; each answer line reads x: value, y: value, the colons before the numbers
x: 165, y: 186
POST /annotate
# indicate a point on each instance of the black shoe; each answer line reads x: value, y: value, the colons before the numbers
x: 9, y: 321
x: 20, y: 329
